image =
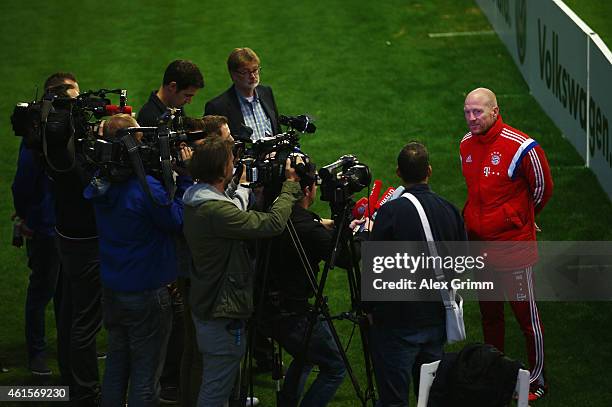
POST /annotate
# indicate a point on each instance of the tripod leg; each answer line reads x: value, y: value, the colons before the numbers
x: 277, y: 371
x: 354, y: 277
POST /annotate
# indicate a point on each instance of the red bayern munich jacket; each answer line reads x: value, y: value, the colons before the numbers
x: 508, y: 181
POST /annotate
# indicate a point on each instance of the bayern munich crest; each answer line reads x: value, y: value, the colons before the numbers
x: 495, y: 158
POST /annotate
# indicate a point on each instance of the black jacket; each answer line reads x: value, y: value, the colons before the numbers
x: 150, y: 112
x: 287, y: 274
x: 398, y: 220
x: 74, y: 214
x: 228, y: 105
x: 479, y: 375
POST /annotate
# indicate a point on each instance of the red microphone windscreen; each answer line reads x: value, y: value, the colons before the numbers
x: 360, y: 208
x: 388, y: 193
x: 114, y: 109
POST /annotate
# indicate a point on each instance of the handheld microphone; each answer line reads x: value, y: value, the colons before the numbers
x: 389, y: 195
x: 360, y: 208
x: 365, y: 206
x: 397, y: 193
x: 385, y: 197
x: 374, y: 196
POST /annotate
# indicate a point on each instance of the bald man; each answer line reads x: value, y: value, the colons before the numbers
x: 508, y: 181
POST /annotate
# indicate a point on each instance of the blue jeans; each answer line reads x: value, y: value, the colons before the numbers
x: 138, y: 325
x: 290, y: 331
x: 222, y: 343
x: 44, y: 261
x: 397, y: 355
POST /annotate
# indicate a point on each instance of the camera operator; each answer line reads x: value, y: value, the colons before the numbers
x: 80, y: 315
x: 211, y: 125
x: 246, y: 102
x: 34, y: 208
x: 289, y: 290
x: 181, y: 82
x: 217, y: 229
x: 137, y: 261
x: 191, y: 360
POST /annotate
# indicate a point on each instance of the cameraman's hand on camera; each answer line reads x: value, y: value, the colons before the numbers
x: 290, y: 173
x: 185, y: 152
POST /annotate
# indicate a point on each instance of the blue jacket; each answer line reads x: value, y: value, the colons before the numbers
x: 32, y: 194
x: 137, y: 250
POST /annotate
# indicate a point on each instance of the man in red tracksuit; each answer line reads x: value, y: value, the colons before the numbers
x: 508, y: 181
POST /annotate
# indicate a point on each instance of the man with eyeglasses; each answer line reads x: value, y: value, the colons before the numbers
x: 246, y: 102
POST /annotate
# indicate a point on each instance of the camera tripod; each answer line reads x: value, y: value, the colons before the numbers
x: 342, y: 241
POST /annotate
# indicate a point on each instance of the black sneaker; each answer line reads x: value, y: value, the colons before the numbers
x: 38, y: 367
x: 101, y: 355
x: 168, y: 395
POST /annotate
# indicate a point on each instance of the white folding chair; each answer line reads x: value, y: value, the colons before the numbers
x: 428, y: 373
x: 522, y: 388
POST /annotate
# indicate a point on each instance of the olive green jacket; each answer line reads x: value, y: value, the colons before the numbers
x: 217, y: 228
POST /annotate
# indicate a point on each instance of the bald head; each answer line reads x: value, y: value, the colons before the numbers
x: 480, y: 110
x: 484, y: 96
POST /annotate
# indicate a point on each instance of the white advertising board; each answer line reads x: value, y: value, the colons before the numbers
x: 567, y: 69
x: 600, y: 112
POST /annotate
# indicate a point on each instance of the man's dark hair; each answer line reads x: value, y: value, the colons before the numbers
x: 413, y: 162
x: 185, y: 73
x: 210, y: 159
x: 57, y: 79
x: 209, y: 124
x: 212, y: 124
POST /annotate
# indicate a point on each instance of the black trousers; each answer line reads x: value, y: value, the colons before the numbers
x: 43, y: 260
x: 80, y: 319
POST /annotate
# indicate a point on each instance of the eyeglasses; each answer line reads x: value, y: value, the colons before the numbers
x: 249, y: 73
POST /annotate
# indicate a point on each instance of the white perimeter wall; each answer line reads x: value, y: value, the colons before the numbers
x: 568, y: 69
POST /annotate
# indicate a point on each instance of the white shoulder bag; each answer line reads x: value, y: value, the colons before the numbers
x: 453, y: 303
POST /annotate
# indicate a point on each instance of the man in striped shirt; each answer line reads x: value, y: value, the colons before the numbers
x: 246, y: 102
x: 509, y: 182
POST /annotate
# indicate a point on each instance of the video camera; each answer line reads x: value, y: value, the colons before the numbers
x: 54, y: 120
x: 157, y: 146
x: 140, y: 151
x: 343, y: 178
x: 264, y: 160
